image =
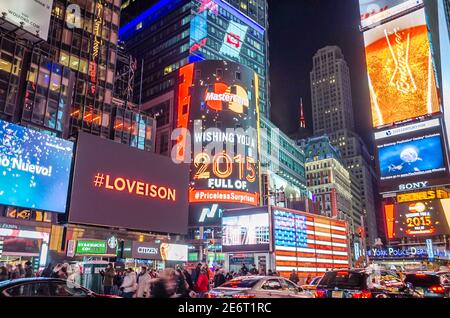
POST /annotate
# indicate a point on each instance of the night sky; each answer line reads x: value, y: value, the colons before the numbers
x: 297, y: 29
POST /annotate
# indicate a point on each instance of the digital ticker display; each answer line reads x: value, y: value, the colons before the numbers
x: 418, y: 219
x: 373, y: 11
x: 34, y: 168
x: 400, y: 70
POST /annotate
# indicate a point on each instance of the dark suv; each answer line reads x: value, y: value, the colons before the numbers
x: 359, y: 283
x: 429, y: 285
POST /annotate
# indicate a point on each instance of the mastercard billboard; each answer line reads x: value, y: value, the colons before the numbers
x: 402, y: 79
x: 217, y: 107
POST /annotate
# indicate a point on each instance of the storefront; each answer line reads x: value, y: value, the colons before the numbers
x: 411, y: 258
x: 23, y: 241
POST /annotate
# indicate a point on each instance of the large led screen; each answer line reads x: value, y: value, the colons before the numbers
x: 309, y: 244
x: 245, y: 232
x: 416, y: 156
x: 374, y: 11
x: 400, y: 69
x: 217, y: 119
x: 424, y: 218
x: 34, y: 168
x: 118, y: 186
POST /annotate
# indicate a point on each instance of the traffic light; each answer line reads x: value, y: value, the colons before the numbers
x: 361, y: 231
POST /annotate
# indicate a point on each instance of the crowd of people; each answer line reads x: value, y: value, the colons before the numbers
x: 144, y: 283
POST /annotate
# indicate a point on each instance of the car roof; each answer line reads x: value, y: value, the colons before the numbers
x: 28, y: 280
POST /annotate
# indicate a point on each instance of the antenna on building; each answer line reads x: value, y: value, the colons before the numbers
x: 302, y: 115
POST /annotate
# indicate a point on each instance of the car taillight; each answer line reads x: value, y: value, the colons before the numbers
x: 320, y: 293
x: 244, y: 296
x: 362, y: 294
x: 437, y: 289
x: 210, y: 296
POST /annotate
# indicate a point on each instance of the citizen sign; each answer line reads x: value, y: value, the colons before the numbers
x: 147, y: 250
x: 414, y: 185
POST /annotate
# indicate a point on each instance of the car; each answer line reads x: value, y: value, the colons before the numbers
x: 313, y: 284
x: 360, y: 283
x: 428, y: 284
x: 46, y: 287
x: 259, y: 287
x: 445, y: 281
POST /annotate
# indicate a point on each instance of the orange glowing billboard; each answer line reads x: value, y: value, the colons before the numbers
x: 400, y: 69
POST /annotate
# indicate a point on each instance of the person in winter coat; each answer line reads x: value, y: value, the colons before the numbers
x: 188, y: 278
x: 202, y: 284
x: 219, y: 278
x: 294, y: 277
x: 254, y: 270
x: 29, y: 270
x: 3, y: 273
x: 143, y: 281
x: 108, y: 279
x: 196, y: 272
x: 182, y: 288
x: 129, y: 285
x: 47, y: 272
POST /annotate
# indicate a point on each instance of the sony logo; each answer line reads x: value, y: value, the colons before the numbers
x: 147, y: 250
x: 414, y: 185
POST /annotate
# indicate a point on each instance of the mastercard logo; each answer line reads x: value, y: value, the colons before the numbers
x: 225, y: 97
x: 417, y: 207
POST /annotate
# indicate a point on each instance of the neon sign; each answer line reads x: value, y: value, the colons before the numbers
x: 134, y: 187
x: 95, y: 48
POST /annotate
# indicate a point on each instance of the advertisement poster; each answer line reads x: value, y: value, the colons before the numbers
x: 34, y: 14
x: 418, y: 219
x: 34, y: 168
x: 400, y: 70
x: 373, y: 11
x: 126, y: 187
x: 245, y: 230
x: 410, y: 157
x: 220, y: 114
x: 159, y: 251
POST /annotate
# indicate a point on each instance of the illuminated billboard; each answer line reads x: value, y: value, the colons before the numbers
x: 34, y: 168
x: 375, y: 11
x: 411, y: 157
x: 156, y: 251
x: 217, y: 108
x: 417, y: 219
x: 246, y: 230
x: 119, y: 186
x: 308, y: 243
x: 400, y: 70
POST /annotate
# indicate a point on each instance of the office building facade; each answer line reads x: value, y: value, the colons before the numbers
x: 333, y: 115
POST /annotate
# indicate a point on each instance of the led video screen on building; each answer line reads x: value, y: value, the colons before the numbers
x: 246, y: 230
x: 402, y: 80
x: 374, y: 11
x: 217, y: 105
x: 119, y: 186
x: 424, y: 218
x: 307, y: 243
x: 34, y: 168
x: 411, y: 157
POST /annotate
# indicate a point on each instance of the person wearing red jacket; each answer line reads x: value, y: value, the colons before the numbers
x: 202, y: 284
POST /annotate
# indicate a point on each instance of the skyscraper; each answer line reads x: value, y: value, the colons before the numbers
x: 166, y: 35
x: 331, y: 99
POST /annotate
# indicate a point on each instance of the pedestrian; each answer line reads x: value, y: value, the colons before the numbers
x: 47, y: 272
x: 159, y: 289
x: 219, y: 278
x: 308, y: 280
x: 29, y: 270
x: 21, y: 271
x: 229, y: 276
x: 196, y: 273
x: 118, y: 280
x: 294, y: 277
x: 270, y: 273
x: 182, y: 289
x: 129, y: 285
x: 3, y: 273
x: 188, y: 278
x: 254, y: 270
x: 108, y: 278
x: 202, y: 284
x: 143, y: 282
x: 63, y: 272
x: 244, y: 270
